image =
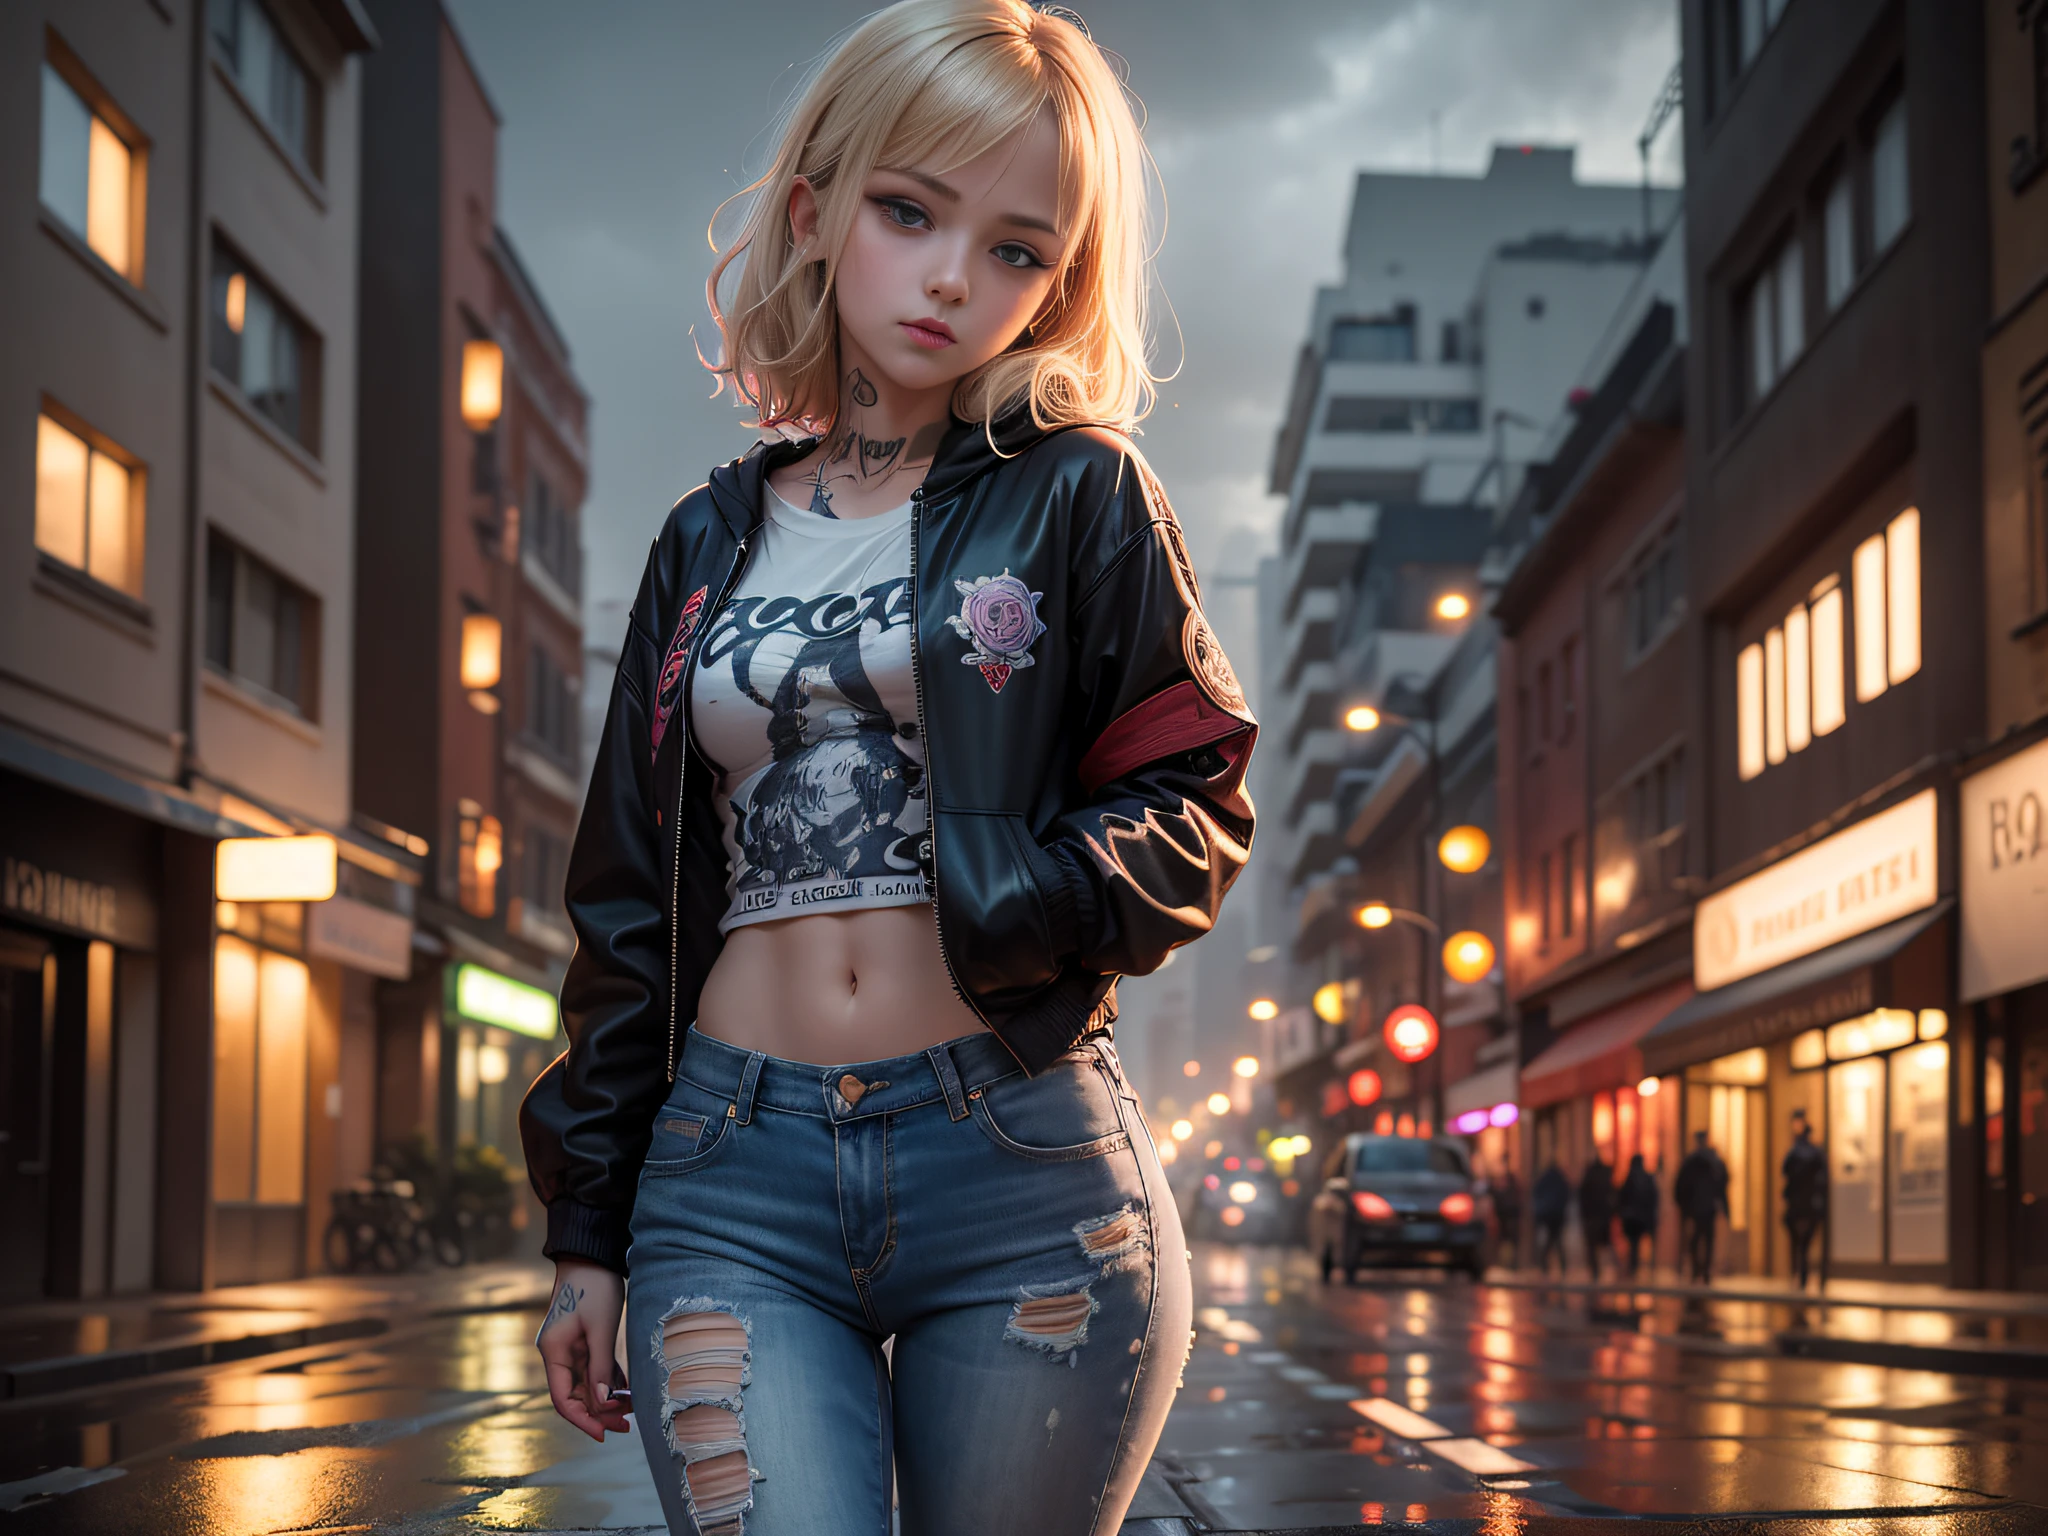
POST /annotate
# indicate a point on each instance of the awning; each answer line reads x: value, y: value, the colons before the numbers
x: 147, y: 798
x: 1901, y: 965
x: 1482, y: 1090
x: 1602, y: 1051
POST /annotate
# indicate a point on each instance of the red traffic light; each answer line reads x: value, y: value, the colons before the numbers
x: 1411, y: 1033
x: 1363, y: 1086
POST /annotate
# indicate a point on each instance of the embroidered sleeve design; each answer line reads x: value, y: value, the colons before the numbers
x: 998, y: 619
x: 670, y: 689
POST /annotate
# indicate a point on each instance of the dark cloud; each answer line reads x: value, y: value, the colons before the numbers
x: 627, y: 123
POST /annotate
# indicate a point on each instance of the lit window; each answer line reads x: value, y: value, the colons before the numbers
x: 1749, y: 711
x: 1869, y: 577
x: 90, y: 177
x: 1902, y: 595
x: 1890, y: 196
x: 270, y: 74
x: 1798, y: 679
x: 261, y: 627
x: 1774, y: 696
x: 88, y: 508
x: 1838, y: 239
x: 260, y: 1002
x: 1830, y: 708
x: 480, y: 841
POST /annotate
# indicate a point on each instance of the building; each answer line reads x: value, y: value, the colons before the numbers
x: 1593, y: 707
x: 175, y: 643
x: 1836, y: 289
x: 473, y: 465
x: 1419, y: 398
x: 2003, y: 964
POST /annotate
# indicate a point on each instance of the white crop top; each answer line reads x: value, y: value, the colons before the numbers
x: 803, y: 700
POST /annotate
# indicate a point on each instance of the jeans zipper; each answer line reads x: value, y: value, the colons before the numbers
x: 931, y: 783
x: 675, y: 897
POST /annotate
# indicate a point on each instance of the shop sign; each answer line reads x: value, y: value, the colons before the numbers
x: 72, y: 864
x: 1862, y: 877
x: 480, y: 993
x: 361, y: 936
x: 2004, y: 857
x: 61, y: 900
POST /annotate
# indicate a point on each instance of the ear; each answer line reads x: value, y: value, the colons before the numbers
x: 803, y: 213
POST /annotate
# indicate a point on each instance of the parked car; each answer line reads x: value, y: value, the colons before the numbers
x: 1400, y: 1201
x: 1240, y: 1207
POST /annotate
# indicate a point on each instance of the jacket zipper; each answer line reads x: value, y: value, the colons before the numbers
x: 675, y: 897
x: 931, y: 783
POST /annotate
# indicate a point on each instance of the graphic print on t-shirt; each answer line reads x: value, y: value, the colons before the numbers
x: 832, y: 820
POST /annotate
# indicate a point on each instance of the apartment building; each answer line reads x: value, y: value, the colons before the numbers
x: 473, y: 466
x: 175, y: 642
x: 1834, y: 465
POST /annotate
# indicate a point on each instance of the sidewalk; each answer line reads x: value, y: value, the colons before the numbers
x: 59, y: 1346
x: 1863, y: 1322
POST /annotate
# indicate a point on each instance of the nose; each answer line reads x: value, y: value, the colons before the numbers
x: 946, y: 281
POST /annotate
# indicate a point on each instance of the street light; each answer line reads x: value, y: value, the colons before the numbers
x: 1263, y: 1008
x: 1375, y: 914
x: 1464, y: 849
x: 1453, y: 605
x: 1183, y: 1129
x: 1219, y: 1103
x: 1246, y: 1066
x: 1468, y: 956
x: 1361, y: 717
x: 1328, y: 1002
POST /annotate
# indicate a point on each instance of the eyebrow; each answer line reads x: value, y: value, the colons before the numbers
x: 933, y: 184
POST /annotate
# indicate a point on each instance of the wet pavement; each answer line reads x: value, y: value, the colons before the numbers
x: 1410, y: 1399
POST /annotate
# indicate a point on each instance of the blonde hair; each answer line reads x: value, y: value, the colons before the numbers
x: 949, y: 78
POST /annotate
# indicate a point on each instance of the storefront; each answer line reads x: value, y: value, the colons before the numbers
x: 1825, y: 992
x: 2003, y: 866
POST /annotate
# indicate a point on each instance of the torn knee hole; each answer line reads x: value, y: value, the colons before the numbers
x: 704, y: 1353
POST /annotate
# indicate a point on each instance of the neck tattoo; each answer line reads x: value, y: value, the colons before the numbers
x: 851, y: 457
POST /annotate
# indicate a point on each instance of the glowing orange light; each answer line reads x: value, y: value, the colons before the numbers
x: 1411, y: 1033
x: 1363, y: 1086
x: 1464, y: 849
x: 1375, y: 914
x: 1453, y: 605
x: 1383, y: 1123
x: 1468, y: 956
x: 1263, y: 1008
x: 1361, y: 717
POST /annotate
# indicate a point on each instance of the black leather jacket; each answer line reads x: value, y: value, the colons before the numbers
x: 1085, y: 782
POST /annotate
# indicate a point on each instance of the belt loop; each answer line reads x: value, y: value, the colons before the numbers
x: 750, y: 1080
x: 949, y: 1081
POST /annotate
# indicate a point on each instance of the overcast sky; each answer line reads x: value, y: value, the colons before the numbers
x: 627, y: 121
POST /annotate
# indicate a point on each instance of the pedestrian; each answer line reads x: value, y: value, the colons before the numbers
x: 1638, y: 1208
x: 1596, y: 1210
x: 1549, y: 1199
x: 1701, y: 1191
x: 919, y: 741
x: 1507, y: 1213
x: 1806, y: 1194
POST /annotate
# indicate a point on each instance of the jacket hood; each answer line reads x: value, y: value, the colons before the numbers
x: 968, y: 449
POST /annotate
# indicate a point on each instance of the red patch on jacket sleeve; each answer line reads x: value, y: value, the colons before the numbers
x: 1176, y: 719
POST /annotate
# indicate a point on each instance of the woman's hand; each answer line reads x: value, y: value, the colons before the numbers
x: 577, y: 1340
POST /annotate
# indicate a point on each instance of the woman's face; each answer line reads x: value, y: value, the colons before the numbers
x: 944, y: 269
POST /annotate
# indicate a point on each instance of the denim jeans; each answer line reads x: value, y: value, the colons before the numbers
x: 1013, y: 1235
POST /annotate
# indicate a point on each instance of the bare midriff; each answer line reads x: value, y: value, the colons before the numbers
x: 835, y: 988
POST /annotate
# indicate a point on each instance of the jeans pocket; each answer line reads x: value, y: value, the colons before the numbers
x: 1069, y: 1111
x: 690, y: 1130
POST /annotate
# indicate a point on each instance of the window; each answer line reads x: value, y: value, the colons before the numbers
x: 1887, y: 601
x: 1838, y: 238
x: 1367, y: 413
x: 1452, y: 344
x: 1774, y: 318
x: 1655, y: 594
x: 261, y: 628
x: 1382, y: 339
x: 1543, y: 701
x: 545, y: 859
x: 89, y: 506
x: 1543, y: 900
x: 1742, y: 26
x: 551, y: 706
x: 1657, y: 798
x: 551, y: 535
x: 264, y: 350
x: 1890, y: 195
x: 1568, y: 688
x: 1790, y: 688
x: 259, y: 1074
x: 91, y: 177
x: 279, y: 87
x: 1568, y: 887
x: 480, y: 856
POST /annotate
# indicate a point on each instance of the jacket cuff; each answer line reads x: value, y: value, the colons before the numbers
x: 588, y: 1232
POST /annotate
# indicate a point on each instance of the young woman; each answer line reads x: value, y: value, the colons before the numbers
x: 919, y: 742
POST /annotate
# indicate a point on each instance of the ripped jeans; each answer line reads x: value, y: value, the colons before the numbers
x: 1014, y: 1236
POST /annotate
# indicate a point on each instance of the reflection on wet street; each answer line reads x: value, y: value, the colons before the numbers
x: 1418, y: 1397
x: 1407, y: 1399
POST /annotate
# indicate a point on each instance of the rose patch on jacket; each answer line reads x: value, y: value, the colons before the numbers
x: 998, y: 619
x: 670, y: 687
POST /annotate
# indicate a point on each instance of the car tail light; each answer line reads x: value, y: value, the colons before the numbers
x: 1371, y: 1206
x: 1457, y: 1207
x: 1210, y: 1181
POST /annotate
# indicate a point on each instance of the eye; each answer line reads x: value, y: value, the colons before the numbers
x: 903, y: 213
x: 1022, y: 257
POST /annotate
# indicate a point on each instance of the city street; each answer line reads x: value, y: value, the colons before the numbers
x: 1408, y: 1399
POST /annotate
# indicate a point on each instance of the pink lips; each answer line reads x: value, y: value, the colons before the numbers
x: 929, y: 333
